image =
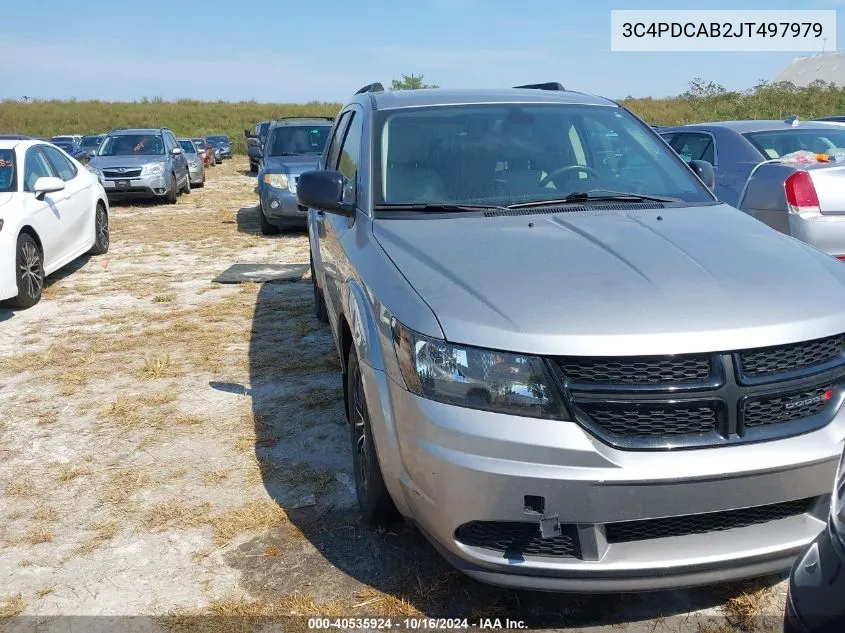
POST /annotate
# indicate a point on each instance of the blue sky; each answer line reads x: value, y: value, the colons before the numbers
x: 284, y: 51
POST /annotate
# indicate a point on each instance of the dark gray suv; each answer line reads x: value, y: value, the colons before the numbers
x: 142, y: 163
x: 564, y: 360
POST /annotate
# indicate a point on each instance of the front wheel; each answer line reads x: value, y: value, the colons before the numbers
x: 101, y: 231
x: 320, y: 310
x: 373, y: 498
x: 187, y: 187
x: 267, y: 228
x: 29, y: 273
x: 170, y: 197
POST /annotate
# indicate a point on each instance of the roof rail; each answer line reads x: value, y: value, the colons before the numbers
x: 285, y: 118
x: 376, y: 87
x: 549, y: 85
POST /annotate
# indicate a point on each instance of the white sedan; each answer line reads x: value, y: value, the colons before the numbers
x: 52, y: 210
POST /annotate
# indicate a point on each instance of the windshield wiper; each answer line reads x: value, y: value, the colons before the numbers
x: 598, y: 195
x: 444, y: 207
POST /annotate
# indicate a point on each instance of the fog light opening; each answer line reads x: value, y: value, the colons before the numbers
x: 534, y: 505
x: 275, y: 204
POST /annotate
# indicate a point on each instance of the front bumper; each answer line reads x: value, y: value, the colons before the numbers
x: 825, y: 232
x: 817, y: 588
x: 449, y: 468
x: 139, y: 187
x: 281, y: 207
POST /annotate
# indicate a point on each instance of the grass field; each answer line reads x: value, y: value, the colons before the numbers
x: 704, y: 101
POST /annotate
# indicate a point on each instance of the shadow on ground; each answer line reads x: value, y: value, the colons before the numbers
x: 302, y: 446
x: 249, y: 221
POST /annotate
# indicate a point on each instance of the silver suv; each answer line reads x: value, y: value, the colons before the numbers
x: 564, y: 360
x: 142, y: 163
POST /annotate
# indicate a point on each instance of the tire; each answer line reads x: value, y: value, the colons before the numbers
x: 320, y: 310
x: 29, y: 273
x: 172, y: 193
x: 102, y: 238
x: 373, y: 497
x: 266, y: 227
x: 187, y: 187
x: 253, y: 167
x: 200, y: 184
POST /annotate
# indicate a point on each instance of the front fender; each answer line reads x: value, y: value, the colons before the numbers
x: 371, y: 338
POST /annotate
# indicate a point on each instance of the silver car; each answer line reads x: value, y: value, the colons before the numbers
x: 564, y: 360
x: 804, y: 200
x: 196, y: 169
x: 142, y: 163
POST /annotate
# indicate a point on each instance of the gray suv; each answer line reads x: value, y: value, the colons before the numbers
x: 564, y: 360
x: 142, y: 163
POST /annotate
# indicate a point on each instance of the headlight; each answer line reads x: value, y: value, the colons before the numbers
x: 193, y: 164
x: 837, y: 502
x: 153, y: 168
x: 279, y: 181
x: 476, y: 378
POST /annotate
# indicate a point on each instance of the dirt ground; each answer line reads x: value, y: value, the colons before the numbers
x: 175, y: 447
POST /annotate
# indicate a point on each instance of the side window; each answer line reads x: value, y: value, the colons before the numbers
x: 61, y: 165
x: 169, y: 141
x: 333, y: 149
x: 350, y: 155
x: 694, y: 146
x: 35, y: 166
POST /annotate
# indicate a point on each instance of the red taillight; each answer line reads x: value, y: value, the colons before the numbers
x: 841, y: 258
x: 800, y: 192
x: 828, y: 394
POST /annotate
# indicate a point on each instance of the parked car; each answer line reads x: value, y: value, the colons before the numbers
x: 801, y: 200
x: 52, y: 210
x: 203, y: 146
x: 142, y: 163
x: 218, y: 151
x: 224, y: 143
x: 255, y: 143
x: 815, y: 603
x: 91, y: 142
x: 645, y: 383
x: 69, y: 144
x: 196, y: 165
x: 293, y: 146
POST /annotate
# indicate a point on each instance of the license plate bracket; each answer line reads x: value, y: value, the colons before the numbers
x: 122, y: 184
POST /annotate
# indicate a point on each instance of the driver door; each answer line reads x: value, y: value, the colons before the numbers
x: 51, y: 216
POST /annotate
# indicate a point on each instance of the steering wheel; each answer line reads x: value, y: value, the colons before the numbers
x: 562, y: 170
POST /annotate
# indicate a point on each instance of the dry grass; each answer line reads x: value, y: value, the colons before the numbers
x: 123, y: 483
x: 165, y: 298
x: 177, y: 515
x: 385, y: 604
x: 12, y: 606
x: 215, y: 477
x: 21, y: 488
x: 69, y: 473
x: 319, y: 397
x: 38, y: 535
x: 744, y: 610
x: 45, y: 513
x: 43, y: 592
x: 160, y: 367
x: 258, y: 515
x: 102, y: 534
x: 304, y: 474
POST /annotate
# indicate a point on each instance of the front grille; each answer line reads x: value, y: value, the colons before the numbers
x: 776, y: 409
x: 130, y: 173
x: 707, y: 399
x: 651, y: 420
x: 516, y: 538
x: 627, y: 531
x: 787, y: 358
x: 653, y: 370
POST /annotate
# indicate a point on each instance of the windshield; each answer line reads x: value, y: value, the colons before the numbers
x: 132, y: 145
x: 298, y: 140
x: 7, y: 170
x: 218, y: 139
x: 199, y: 143
x: 509, y: 154
x: 64, y: 145
x: 188, y: 147
x: 777, y: 143
x: 89, y: 142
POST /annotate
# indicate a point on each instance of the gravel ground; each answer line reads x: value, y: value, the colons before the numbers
x: 175, y: 448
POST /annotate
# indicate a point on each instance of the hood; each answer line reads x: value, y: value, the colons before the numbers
x: 128, y: 160
x: 661, y: 281
x: 290, y: 164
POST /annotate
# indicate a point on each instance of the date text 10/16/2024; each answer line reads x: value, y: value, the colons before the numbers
x: 415, y: 624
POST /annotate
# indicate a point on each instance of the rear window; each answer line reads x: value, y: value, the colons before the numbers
x: 777, y: 143
x: 7, y: 170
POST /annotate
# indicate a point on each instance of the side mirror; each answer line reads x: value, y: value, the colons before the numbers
x: 176, y: 151
x: 47, y: 184
x: 323, y: 190
x: 246, y: 133
x: 704, y: 170
x: 83, y: 157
